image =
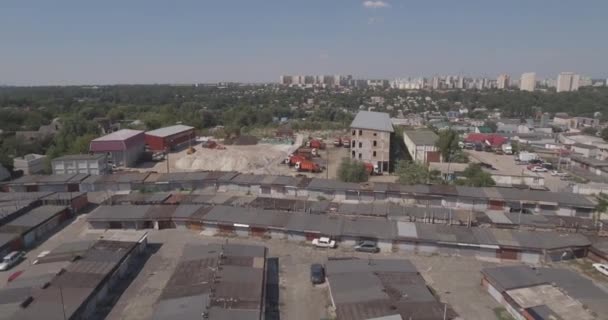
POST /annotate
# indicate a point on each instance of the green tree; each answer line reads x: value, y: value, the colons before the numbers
x: 492, y: 125
x: 413, y: 173
x: 352, y: 171
x: 448, y: 144
x: 474, y: 176
x: 604, y: 134
x: 590, y: 131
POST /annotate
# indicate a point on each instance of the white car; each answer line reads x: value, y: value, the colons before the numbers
x: 538, y: 169
x: 602, y: 268
x: 11, y: 260
x: 323, y: 242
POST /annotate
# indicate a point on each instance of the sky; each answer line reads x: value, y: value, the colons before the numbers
x: 182, y: 41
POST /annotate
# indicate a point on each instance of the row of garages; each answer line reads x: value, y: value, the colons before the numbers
x: 455, y: 197
x: 29, y: 228
x: 391, y: 236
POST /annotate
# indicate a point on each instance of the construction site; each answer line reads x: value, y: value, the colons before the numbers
x: 297, y: 154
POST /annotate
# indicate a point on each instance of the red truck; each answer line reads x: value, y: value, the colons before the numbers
x: 346, y: 142
x: 292, y: 160
x: 338, y: 142
x: 317, y: 144
x: 308, y: 166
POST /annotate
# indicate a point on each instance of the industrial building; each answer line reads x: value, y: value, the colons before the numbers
x: 123, y: 147
x: 371, y: 139
x: 545, y: 293
x: 421, y: 145
x: 363, y: 289
x: 93, y: 164
x: 215, y: 282
x: 169, y: 138
x: 30, y: 163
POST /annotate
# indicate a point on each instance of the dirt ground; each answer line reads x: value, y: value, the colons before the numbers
x: 262, y: 158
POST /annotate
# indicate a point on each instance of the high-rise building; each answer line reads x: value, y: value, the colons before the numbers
x: 528, y: 81
x: 286, y: 80
x: 503, y: 81
x: 436, y: 83
x: 567, y: 81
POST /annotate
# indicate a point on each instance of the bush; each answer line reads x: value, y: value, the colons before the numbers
x: 352, y: 171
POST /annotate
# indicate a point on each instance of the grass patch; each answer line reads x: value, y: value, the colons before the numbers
x: 502, y: 314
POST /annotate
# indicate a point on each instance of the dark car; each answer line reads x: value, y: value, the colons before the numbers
x: 367, y: 246
x: 317, y: 273
x: 522, y: 210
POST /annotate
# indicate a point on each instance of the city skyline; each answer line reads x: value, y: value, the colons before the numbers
x: 70, y: 42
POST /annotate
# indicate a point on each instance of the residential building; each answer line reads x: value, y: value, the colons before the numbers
x: 503, y: 81
x: 371, y: 138
x: 421, y: 146
x: 30, y: 163
x: 528, y: 81
x: 169, y: 138
x: 94, y: 164
x: 567, y: 81
x: 123, y: 147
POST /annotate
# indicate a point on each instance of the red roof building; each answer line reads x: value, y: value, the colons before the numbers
x: 492, y: 139
x: 123, y: 147
x: 169, y: 138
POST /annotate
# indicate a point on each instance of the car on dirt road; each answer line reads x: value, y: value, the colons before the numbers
x: 324, y: 242
x: 601, y: 268
x: 11, y: 259
x: 367, y: 246
x: 317, y: 273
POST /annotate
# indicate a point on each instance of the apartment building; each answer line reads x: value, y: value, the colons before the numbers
x: 371, y: 139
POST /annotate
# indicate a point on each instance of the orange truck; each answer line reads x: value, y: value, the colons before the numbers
x: 307, y: 166
x: 316, y: 144
x: 294, y: 159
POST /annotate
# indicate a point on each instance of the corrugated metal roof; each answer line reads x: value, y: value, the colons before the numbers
x: 422, y: 137
x: 169, y: 131
x: 119, y: 135
x: 370, y: 120
x: 407, y: 230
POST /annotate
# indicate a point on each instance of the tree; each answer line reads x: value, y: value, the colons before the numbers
x: 492, y: 125
x: 604, y: 134
x: 590, y: 131
x: 352, y: 171
x: 413, y: 173
x: 448, y: 144
x: 474, y: 176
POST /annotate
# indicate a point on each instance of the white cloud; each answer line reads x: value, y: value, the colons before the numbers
x: 376, y: 4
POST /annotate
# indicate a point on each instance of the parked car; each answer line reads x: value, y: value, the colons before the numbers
x: 367, y: 246
x: 317, y: 273
x: 537, y: 169
x: 558, y: 174
x: 11, y: 259
x: 601, y: 268
x: 523, y: 210
x: 323, y: 242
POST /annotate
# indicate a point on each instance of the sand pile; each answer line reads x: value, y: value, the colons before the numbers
x: 247, y: 159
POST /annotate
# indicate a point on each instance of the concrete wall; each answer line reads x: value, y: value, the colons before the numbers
x: 362, y: 146
x: 92, y: 167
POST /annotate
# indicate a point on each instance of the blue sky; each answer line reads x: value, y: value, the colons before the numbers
x: 151, y: 41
